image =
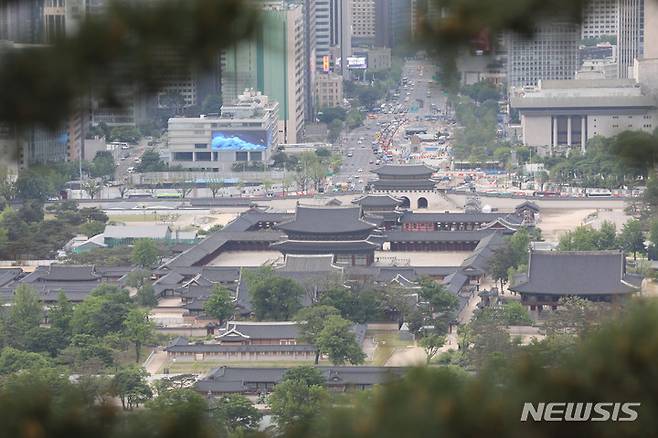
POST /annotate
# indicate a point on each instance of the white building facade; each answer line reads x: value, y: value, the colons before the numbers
x: 559, y: 115
x: 245, y: 132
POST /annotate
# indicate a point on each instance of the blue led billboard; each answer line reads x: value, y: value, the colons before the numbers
x: 240, y: 140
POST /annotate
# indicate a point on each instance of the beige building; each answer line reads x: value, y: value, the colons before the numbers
x: 363, y: 20
x: 328, y: 90
x: 379, y: 59
x: 558, y: 115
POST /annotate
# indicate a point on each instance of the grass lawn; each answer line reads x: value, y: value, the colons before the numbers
x: 147, y: 216
x: 206, y: 365
x: 127, y: 357
x: 386, y: 346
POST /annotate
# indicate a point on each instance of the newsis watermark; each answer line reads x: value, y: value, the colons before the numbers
x: 580, y: 411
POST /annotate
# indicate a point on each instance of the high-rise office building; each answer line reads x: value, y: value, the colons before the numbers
x: 552, y: 53
x: 21, y: 21
x: 651, y: 29
x: 630, y: 34
x: 274, y: 63
x: 310, y: 58
x: 364, y: 21
x: 333, y: 34
x: 599, y: 18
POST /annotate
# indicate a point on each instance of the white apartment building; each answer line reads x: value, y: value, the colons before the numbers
x: 245, y: 131
x: 558, y: 115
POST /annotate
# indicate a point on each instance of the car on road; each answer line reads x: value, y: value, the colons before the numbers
x: 130, y: 170
x: 350, y: 155
x: 359, y: 142
x: 359, y: 170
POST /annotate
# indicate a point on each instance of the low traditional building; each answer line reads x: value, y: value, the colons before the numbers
x: 592, y: 275
x: 383, y: 210
x: 227, y: 380
x: 448, y: 221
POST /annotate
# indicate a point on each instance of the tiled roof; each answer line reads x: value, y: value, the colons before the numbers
x: 326, y: 246
x: 377, y: 201
x: 310, y: 263
x: 326, y: 220
x: 230, y: 379
x: 404, y: 170
x: 403, y: 184
x: 419, y: 217
x: 577, y: 273
x: 263, y: 330
x: 436, y: 236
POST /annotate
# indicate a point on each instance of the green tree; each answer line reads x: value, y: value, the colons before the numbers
x: 137, y: 278
x: 607, y: 237
x: 14, y: 361
x: 61, y: 313
x: 295, y: 402
x: 215, y: 187
x: 442, y: 305
x: 311, y: 321
x: 103, y: 312
x: 308, y: 374
x: 582, y: 238
x: 632, y: 238
x: 92, y: 228
x: 237, y: 413
x: 102, y: 165
x: 138, y: 329
x: 92, y: 187
x: 32, y: 184
x: 145, y: 253
x: 25, y: 314
x: 127, y: 134
x: 273, y: 297
x: 578, y: 316
x: 329, y: 115
x: 335, y: 128
x: 337, y: 341
x: 129, y: 384
x: 432, y: 344
x: 220, y: 303
x: 150, y: 162
x: 514, y: 313
x: 184, y: 188
x: 145, y: 296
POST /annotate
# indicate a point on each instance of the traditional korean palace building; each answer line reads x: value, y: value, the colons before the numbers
x: 330, y: 230
x: 593, y: 275
x: 262, y: 380
x: 383, y: 210
x: 412, y: 184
